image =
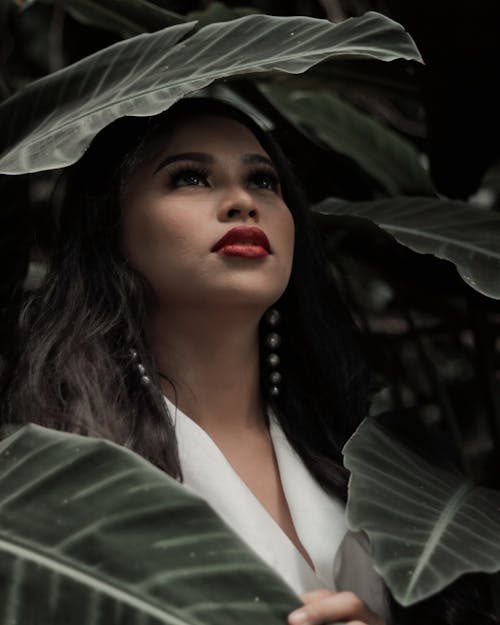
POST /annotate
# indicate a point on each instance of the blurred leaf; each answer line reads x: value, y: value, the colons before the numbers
x: 219, y: 12
x: 379, y: 151
x: 127, y: 17
x: 92, y: 534
x: 23, y: 4
x: 449, y: 229
x: 134, y: 17
x: 50, y: 122
x: 427, y: 527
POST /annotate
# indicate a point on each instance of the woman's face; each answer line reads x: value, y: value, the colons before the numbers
x: 208, y: 175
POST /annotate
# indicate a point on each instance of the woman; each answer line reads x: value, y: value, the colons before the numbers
x: 188, y: 308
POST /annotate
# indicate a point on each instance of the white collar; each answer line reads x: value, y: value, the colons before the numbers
x: 318, y: 518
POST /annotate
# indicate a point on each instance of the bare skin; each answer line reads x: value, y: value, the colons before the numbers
x: 211, y: 349
x: 205, y: 308
x: 255, y: 462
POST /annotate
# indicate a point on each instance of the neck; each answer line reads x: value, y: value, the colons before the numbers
x: 213, y: 360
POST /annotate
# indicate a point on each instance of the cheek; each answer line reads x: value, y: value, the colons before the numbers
x: 155, y: 238
x: 292, y: 233
x: 288, y: 230
x: 283, y: 229
x: 166, y: 257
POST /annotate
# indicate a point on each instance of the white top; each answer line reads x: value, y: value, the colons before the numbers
x: 341, y: 558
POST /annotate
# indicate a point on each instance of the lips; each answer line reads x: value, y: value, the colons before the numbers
x: 241, y: 239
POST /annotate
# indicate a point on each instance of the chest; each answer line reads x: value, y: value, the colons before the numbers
x: 255, y: 463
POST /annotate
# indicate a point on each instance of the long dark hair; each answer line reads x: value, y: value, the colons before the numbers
x: 74, y: 370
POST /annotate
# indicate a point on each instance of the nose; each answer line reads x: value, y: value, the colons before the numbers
x: 238, y: 203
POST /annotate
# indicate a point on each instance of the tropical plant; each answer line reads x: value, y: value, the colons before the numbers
x: 92, y: 533
x: 431, y: 325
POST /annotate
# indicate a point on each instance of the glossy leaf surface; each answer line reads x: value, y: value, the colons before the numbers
x: 427, y: 527
x: 456, y: 231
x: 92, y: 533
x: 49, y: 123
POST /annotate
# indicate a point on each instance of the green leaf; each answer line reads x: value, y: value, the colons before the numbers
x: 126, y: 17
x: 427, y: 527
x: 22, y: 5
x: 379, y: 151
x: 92, y: 533
x: 449, y: 229
x: 49, y: 123
x: 219, y: 12
x: 133, y: 17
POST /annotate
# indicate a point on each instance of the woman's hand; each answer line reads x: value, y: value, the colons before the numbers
x: 325, y: 606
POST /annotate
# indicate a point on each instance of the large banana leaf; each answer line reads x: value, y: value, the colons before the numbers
x: 49, y: 123
x: 427, y: 527
x: 91, y: 533
x: 379, y: 151
x: 468, y: 237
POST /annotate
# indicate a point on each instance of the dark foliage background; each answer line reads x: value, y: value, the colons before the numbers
x: 434, y: 340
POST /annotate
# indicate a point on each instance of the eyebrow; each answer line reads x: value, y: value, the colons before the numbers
x: 208, y: 159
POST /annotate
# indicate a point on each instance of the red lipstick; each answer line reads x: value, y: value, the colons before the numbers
x: 244, y: 241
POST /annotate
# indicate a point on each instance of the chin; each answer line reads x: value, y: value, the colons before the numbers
x: 252, y: 295
x: 242, y: 290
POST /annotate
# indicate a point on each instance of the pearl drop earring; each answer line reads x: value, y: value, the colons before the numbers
x: 141, y: 369
x: 273, y: 341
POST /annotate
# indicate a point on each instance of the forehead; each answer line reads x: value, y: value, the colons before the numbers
x: 209, y: 133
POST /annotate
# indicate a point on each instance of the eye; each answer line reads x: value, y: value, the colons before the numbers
x: 188, y: 177
x: 264, y: 179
